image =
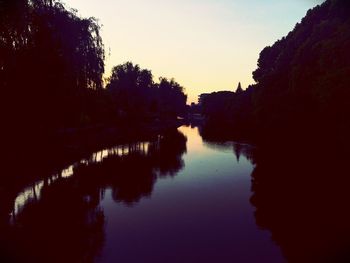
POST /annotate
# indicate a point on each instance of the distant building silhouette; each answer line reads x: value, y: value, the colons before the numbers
x: 239, y: 88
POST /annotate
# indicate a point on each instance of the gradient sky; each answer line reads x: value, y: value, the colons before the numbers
x: 206, y: 45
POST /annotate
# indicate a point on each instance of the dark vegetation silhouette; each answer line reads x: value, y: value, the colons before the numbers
x: 51, y: 74
x: 57, y: 108
x: 64, y: 222
x: 229, y: 114
x: 137, y: 97
x: 54, y: 98
x: 297, y: 113
x: 51, y: 62
x: 302, y: 87
x: 301, y: 196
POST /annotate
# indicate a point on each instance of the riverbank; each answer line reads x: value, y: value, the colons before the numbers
x: 87, y: 140
x: 37, y: 157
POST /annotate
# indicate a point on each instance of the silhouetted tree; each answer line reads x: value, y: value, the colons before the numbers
x: 131, y: 88
x: 229, y: 114
x: 51, y: 63
x: 138, y: 97
x: 172, y: 99
x: 302, y: 84
x: 302, y: 79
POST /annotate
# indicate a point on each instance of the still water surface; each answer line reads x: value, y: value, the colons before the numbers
x: 176, y: 198
x: 201, y: 214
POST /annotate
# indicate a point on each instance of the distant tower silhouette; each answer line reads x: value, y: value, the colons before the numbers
x: 237, y: 149
x: 239, y: 88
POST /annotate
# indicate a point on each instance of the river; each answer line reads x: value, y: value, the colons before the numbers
x: 175, y: 198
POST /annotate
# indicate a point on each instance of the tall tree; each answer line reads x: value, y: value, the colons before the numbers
x: 137, y: 96
x: 50, y: 59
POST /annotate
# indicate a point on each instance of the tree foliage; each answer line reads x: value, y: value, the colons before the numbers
x: 302, y: 81
x: 229, y: 113
x: 50, y: 62
x: 136, y: 95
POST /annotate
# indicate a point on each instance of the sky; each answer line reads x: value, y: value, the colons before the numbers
x: 206, y: 45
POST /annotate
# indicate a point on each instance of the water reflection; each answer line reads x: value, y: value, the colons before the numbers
x: 201, y: 215
x: 33, y: 193
x: 99, y: 210
x: 301, y: 195
x: 161, y: 156
x: 59, y: 218
x: 239, y: 149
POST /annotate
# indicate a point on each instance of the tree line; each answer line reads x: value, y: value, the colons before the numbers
x: 302, y: 84
x: 51, y: 62
x: 52, y: 68
x: 136, y: 96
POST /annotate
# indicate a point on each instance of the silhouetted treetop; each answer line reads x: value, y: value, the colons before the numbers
x: 136, y: 95
x: 302, y: 80
x: 50, y: 59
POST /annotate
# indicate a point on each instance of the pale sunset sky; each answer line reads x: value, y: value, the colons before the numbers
x: 206, y: 45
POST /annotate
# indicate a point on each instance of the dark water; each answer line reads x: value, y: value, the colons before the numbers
x: 199, y: 214
x: 175, y: 198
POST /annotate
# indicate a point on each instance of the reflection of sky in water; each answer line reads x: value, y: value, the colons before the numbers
x: 203, y: 212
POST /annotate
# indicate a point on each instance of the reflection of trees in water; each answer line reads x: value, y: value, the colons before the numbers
x: 217, y: 138
x: 63, y: 222
x: 65, y: 225
x: 246, y: 150
x: 167, y: 154
x: 219, y: 132
x: 302, y: 198
x: 238, y: 149
x: 132, y: 176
